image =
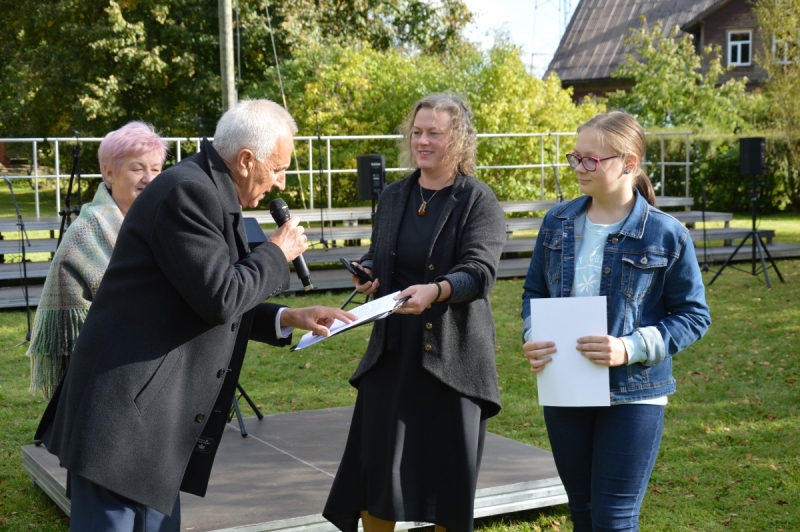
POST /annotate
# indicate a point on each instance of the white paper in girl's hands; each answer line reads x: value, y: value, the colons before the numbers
x: 570, y: 379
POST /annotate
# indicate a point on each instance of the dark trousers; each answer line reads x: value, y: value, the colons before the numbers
x: 604, y: 456
x: 95, y: 509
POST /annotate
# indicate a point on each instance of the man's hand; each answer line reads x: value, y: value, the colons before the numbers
x: 316, y: 319
x: 290, y: 238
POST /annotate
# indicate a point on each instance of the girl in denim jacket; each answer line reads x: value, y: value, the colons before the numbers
x: 612, y: 241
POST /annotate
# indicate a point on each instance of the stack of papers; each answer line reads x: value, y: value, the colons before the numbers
x: 376, y: 309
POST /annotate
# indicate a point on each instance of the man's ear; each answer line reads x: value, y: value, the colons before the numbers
x: 245, y: 161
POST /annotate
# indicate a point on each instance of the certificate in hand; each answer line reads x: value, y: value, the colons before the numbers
x: 570, y: 379
x: 376, y: 309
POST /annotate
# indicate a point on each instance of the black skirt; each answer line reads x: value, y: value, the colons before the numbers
x: 413, y: 452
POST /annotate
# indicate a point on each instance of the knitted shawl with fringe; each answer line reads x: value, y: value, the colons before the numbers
x: 75, y: 273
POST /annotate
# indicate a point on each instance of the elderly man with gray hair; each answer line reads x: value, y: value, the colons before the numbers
x: 140, y: 412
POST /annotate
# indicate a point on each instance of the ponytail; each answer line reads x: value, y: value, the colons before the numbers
x: 642, y: 183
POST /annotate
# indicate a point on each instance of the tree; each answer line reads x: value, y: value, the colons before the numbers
x: 354, y: 90
x: 508, y: 99
x: 673, y: 90
x: 92, y: 65
x: 779, y: 22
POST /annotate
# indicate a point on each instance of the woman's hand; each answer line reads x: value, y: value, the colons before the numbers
x: 538, y: 354
x: 369, y: 287
x: 421, y: 296
x: 603, y: 350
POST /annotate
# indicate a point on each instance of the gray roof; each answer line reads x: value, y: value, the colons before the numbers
x: 592, y: 46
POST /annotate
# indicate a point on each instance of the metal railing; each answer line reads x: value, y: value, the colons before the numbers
x: 546, y: 158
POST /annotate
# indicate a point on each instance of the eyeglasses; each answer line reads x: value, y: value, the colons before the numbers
x: 590, y: 163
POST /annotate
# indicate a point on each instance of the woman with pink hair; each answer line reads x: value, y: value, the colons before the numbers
x: 130, y: 158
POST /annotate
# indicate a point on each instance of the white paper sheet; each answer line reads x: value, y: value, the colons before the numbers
x: 570, y: 379
x: 374, y: 310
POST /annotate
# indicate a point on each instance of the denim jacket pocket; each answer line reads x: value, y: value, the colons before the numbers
x: 639, y: 269
x: 553, y: 253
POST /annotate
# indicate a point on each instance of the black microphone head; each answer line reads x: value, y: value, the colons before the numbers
x: 279, y: 211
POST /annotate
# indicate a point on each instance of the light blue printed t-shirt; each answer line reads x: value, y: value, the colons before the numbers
x: 589, y: 257
x: 589, y: 269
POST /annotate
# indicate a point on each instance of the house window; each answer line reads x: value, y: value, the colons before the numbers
x: 739, y: 47
x: 785, y: 51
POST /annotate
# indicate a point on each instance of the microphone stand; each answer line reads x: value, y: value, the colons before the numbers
x: 559, y: 194
x: 321, y: 205
x: 23, y: 238
x: 66, y: 212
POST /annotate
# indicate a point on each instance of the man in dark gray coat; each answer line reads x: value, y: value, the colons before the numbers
x: 140, y: 411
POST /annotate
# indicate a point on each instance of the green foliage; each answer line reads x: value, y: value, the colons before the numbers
x: 358, y: 90
x: 780, y: 19
x: 672, y: 87
x: 386, y: 24
x: 92, y: 65
x: 508, y: 99
x: 728, y: 461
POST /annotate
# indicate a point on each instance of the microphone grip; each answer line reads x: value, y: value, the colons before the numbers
x: 301, y: 269
x: 280, y: 213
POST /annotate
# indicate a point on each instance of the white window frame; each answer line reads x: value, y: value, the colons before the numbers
x: 738, y: 46
x: 780, y: 50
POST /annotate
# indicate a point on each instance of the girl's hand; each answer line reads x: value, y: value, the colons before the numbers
x: 603, y: 350
x: 538, y: 354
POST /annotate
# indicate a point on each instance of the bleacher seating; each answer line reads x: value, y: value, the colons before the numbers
x: 346, y: 230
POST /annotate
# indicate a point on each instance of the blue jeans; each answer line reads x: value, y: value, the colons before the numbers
x: 604, y: 456
x: 95, y: 509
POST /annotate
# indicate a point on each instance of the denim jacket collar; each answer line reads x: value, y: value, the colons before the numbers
x: 633, y: 226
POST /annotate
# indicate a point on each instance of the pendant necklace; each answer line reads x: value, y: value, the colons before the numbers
x: 423, y: 208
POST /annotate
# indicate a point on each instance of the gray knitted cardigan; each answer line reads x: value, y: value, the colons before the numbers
x: 458, y: 337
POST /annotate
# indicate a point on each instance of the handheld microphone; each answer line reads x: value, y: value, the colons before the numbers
x: 280, y: 213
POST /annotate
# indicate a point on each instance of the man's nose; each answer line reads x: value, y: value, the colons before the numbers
x: 281, y: 181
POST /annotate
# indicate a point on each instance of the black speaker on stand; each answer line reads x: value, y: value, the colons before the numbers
x: 371, y: 182
x: 371, y: 177
x: 752, y: 162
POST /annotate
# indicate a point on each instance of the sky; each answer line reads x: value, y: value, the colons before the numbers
x: 534, y: 25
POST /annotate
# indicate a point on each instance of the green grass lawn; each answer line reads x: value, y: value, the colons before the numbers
x: 729, y: 461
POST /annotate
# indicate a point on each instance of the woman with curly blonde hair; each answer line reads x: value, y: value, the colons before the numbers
x: 427, y: 383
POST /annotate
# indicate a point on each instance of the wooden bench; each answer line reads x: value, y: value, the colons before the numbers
x: 44, y: 223
x: 13, y: 270
x: 690, y: 218
x: 664, y: 202
x: 728, y: 234
x: 38, y: 245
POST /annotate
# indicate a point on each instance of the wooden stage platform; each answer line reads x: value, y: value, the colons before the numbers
x: 278, y: 477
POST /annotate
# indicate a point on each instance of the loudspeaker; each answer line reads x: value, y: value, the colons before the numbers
x: 752, y: 156
x: 371, y: 176
x: 255, y: 235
